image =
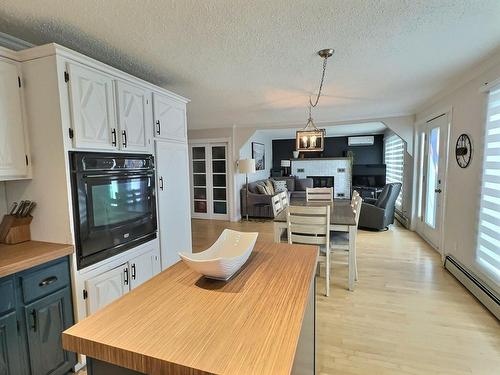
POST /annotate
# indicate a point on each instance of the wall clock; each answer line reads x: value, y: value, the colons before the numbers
x: 463, y: 151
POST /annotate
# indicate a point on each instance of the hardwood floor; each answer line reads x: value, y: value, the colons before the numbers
x: 407, y: 315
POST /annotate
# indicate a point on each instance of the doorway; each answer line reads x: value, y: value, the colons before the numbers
x: 209, y: 181
x: 432, y: 137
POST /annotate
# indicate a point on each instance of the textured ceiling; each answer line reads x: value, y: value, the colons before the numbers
x: 253, y: 62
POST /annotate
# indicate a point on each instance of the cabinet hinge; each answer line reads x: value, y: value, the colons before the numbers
x: 85, y: 294
x: 71, y: 134
x: 19, y: 81
x: 26, y: 156
x: 66, y: 77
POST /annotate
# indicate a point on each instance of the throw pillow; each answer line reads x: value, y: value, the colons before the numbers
x: 279, y: 186
x: 262, y: 189
x: 269, y: 186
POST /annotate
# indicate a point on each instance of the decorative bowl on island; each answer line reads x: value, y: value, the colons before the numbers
x: 225, y: 257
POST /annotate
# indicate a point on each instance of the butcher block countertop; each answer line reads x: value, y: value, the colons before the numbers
x: 24, y: 255
x: 181, y: 323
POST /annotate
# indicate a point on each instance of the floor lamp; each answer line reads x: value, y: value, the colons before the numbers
x: 246, y: 166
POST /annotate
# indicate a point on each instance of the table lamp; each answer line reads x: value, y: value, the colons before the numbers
x: 286, y: 164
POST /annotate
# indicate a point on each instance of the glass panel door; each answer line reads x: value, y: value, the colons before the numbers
x: 219, y: 176
x: 199, y: 173
x: 432, y: 149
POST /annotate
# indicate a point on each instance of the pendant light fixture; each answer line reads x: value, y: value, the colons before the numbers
x: 310, y: 138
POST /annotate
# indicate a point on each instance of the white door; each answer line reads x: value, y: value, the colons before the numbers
x: 92, y: 108
x: 13, y: 149
x: 172, y: 168
x: 144, y: 267
x: 433, y: 154
x: 169, y: 118
x: 209, y: 182
x: 107, y: 287
x: 134, y: 106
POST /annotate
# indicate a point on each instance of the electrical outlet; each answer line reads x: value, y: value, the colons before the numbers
x: 300, y: 170
x: 340, y: 170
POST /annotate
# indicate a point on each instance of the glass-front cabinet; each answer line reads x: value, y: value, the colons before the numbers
x: 209, y: 181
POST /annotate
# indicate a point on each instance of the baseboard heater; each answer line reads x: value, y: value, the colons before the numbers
x: 479, y: 289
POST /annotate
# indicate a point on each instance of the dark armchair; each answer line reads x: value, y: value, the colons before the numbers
x: 379, y: 214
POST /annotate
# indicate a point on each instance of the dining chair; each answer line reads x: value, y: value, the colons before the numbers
x: 311, y: 226
x: 340, y: 240
x: 319, y: 194
x: 285, y: 202
x: 276, y: 204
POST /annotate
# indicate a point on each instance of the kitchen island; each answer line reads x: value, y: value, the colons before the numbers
x: 262, y: 321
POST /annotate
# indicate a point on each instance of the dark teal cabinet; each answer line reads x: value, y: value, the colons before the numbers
x: 35, y: 307
x: 9, y: 345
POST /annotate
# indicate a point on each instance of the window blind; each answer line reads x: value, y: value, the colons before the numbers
x: 488, y: 241
x: 394, y: 158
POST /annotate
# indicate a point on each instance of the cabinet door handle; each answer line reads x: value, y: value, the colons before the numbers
x: 113, y: 137
x: 161, y: 183
x: 124, y: 136
x: 33, y: 316
x: 133, y: 271
x: 158, y: 127
x: 125, y: 279
x: 48, y: 281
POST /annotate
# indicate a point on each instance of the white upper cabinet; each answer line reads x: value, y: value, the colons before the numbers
x: 134, y: 117
x: 92, y: 108
x: 13, y: 143
x: 169, y: 118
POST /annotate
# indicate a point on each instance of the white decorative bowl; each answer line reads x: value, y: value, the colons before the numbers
x: 226, y: 256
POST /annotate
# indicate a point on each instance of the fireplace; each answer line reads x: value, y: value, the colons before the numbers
x: 322, y: 181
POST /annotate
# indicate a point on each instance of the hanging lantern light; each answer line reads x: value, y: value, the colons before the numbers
x: 310, y: 138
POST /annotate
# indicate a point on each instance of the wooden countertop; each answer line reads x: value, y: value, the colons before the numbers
x: 181, y: 323
x: 24, y: 255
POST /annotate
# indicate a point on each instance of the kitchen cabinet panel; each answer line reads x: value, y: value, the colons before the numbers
x: 107, y: 287
x: 46, y: 318
x: 144, y: 267
x: 92, y: 108
x: 13, y: 140
x: 172, y: 168
x: 134, y: 117
x: 10, y: 358
x: 169, y: 118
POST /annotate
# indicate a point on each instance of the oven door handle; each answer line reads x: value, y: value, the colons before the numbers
x: 121, y: 175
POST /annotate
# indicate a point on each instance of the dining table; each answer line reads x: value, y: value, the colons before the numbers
x: 342, y: 219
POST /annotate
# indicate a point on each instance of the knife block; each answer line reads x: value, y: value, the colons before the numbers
x: 14, y: 229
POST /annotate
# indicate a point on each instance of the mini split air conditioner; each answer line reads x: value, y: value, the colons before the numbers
x: 361, y: 141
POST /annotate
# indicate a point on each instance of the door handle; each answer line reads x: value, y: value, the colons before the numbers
x: 161, y: 183
x: 437, y: 190
x: 48, y: 281
x: 33, y: 315
x: 158, y: 128
x: 125, y: 279
x: 124, y: 135
x: 133, y: 271
x: 113, y: 137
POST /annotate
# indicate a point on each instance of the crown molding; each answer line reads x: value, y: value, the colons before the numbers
x: 13, y: 43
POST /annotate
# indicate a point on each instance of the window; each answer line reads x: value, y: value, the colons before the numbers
x: 488, y: 241
x: 394, y: 158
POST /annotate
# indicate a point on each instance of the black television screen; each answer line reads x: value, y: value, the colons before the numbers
x: 369, y: 175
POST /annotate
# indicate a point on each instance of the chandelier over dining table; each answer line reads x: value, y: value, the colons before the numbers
x: 310, y: 138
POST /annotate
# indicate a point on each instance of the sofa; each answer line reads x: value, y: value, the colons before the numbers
x: 378, y: 214
x: 259, y: 204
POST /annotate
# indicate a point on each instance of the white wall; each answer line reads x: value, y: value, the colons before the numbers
x: 463, y: 185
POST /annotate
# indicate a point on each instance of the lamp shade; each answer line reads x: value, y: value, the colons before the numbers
x: 286, y: 163
x: 246, y: 165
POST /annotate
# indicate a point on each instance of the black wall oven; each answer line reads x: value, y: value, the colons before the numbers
x: 114, y: 205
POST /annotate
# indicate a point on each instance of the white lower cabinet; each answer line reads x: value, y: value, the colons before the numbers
x: 105, y: 288
x: 108, y: 286
x: 144, y: 267
x: 172, y: 169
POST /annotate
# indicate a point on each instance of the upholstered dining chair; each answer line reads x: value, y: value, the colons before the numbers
x: 319, y: 194
x: 311, y: 226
